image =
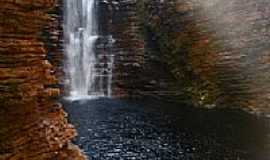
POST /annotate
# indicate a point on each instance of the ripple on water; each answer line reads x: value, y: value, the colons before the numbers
x: 151, y: 130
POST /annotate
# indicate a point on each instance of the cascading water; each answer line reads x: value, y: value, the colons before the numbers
x: 85, y: 79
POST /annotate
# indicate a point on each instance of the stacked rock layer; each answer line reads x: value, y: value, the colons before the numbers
x: 218, y: 51
x: 32, y: 125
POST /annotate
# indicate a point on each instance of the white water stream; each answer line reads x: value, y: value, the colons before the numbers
x: 84, y: 78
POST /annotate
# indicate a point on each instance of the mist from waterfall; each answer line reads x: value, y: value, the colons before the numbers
x: 84, y: 78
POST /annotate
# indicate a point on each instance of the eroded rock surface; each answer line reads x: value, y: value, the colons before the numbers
x: 136, y: 71
x: 218, y: 51
x: 32, y: 125
x: 210, y: 53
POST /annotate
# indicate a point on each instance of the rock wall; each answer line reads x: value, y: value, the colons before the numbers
x: 217, y: 50
x: 32, y: 125
x: 136, y: 71
x: 119, y: 19
x: 209, y: 53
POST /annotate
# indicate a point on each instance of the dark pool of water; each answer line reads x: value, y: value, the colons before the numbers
x: 147, y: 129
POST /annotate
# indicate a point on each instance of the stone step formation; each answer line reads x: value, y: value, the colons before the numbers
x: 32, y: 123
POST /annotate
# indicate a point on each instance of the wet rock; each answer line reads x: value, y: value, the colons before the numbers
x: 214, y: 49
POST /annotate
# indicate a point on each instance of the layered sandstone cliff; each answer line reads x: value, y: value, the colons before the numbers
x: 208, y: 52
x: 32, y: 125
x: 217, y: 50
x: 137, y: 72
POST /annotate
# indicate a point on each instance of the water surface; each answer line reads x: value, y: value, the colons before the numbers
x: 149, y: 129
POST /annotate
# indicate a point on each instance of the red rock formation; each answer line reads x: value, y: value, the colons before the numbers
x: 228, y: 45
x: 219, y: 47
x: 32, y: 125
x: 120, y: 19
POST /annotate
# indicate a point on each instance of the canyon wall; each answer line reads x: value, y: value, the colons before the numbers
x: 119, y: 20
x: 137, y: 72
x: 217, y: 50
x: 206, y: 52
x: 33, y: 125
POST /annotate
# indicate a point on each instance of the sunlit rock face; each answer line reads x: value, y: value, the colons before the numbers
x: 217, y: 49
x: 32, y: 124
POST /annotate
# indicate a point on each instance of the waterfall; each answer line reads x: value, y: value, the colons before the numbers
x: 87, y: 76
